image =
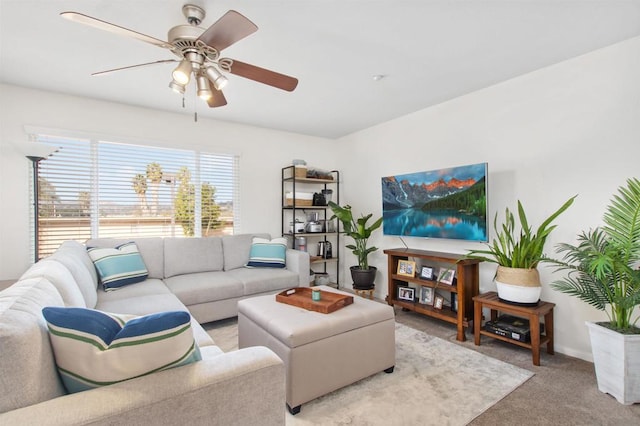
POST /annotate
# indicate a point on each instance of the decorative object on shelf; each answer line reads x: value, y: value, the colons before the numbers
x: 300, y: 168
x: 297, y: 227
x: 406, y: 268
x: 603, y: 272
x: 319, y: 200
x: 438, y: 302
x: 327, y: 194
x: 446, y: 276
x: 363, y: 275
x: 325, y: 250
x: 426, y: 273
x: 426, y: 296
x: 301, y: 199
x: 300, y: 244
x: 322, y: 278
x: 406, y: 293
x: 315, y: 173
x: 517, y: 253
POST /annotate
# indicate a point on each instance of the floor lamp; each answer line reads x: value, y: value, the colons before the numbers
x: 37, y: 152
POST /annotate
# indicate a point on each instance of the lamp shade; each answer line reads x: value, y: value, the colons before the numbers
x: 216, y: 77
x: 182, y: 73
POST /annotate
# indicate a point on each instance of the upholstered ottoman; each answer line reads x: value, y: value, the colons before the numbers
x: 321, y: 352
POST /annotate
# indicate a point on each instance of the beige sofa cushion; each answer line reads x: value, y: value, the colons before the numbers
x: 58, y: 275
x: 74, y: 256
x: 204, y: 287
x: 262, y: 280
x: 148, y: 287
x: 30, y: 376
x: 189, y: 255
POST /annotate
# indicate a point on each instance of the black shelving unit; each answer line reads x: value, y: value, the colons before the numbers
x: 293, y: 209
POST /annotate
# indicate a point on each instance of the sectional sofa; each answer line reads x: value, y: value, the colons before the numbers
x: 205, y: 277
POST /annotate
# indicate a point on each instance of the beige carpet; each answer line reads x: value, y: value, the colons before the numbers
x: 434, y: 382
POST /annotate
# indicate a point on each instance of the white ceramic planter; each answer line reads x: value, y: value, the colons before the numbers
x: 616, y: 358
x: 518, y: 294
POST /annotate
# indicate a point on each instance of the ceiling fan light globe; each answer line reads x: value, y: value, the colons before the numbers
x: 204, y: 90
x: 182, y: 73
x: 216, y: 77
x: 177, y: 87
x: 220, y: 82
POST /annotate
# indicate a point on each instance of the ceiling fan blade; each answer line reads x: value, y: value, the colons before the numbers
x: 163, y: 61
x: 106, y: 26
x: 217, y: 99
x: 229, y: 29
x: 262, y: 75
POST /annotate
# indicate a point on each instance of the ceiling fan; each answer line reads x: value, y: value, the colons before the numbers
x: 198, y: 51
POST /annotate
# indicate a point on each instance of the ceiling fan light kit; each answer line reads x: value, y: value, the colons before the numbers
x: 198, y: 51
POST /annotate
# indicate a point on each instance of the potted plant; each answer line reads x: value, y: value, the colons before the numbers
x: 603, y: 272
x: 363, y: 275
x: 518, y: 253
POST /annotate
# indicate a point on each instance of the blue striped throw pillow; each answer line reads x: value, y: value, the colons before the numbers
x: 118, y: 266
x: 94, y: 348
x: 267, y: 253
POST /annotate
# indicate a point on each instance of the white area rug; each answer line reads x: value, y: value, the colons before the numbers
x: 434, y: 382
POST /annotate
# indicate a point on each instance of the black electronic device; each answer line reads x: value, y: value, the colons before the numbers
x: 512, y: 327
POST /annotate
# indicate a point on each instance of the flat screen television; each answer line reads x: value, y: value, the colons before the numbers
x: 445, y: 203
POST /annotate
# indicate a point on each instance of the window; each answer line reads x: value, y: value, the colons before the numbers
x: 93, y: 188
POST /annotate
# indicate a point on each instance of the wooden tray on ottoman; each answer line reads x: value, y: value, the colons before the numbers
x: 301, y: 297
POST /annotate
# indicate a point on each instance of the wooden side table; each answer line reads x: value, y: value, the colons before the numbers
x: 532, y: 313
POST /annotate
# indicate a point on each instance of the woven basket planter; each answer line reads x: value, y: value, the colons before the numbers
x: 518, y: 285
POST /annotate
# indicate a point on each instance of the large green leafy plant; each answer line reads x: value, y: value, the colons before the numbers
x: 518, y: 249
x: 358, y: 230
x: 603, y: 266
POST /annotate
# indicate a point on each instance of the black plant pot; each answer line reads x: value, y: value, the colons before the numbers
x: 363, y: 279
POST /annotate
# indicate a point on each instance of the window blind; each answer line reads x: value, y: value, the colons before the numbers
x: 95, y: 188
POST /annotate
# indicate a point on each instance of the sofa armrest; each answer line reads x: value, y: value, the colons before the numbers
x: 298, y: 261
x: 241, y: 387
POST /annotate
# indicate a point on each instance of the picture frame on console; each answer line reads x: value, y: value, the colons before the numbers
x: 446, y: 276
x: 406, y: 294
x: 426, y: 296
x: 438, y: 302
x: 426, y: 273
x: 406, y: 268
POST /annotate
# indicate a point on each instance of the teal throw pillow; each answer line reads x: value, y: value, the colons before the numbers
x: 267, y: 253
x: 118, y: 266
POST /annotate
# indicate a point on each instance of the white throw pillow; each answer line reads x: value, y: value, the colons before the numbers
x: 94, y: 348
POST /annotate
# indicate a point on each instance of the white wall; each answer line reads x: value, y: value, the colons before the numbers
x: 572, y: 128
x: 263, y: 152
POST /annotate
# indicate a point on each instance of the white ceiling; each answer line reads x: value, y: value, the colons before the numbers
x: 430, y: 51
